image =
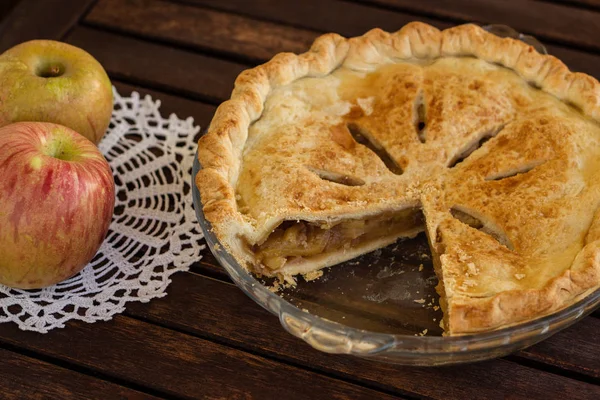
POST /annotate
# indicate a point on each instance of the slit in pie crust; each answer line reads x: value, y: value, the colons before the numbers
x: 489, y: 147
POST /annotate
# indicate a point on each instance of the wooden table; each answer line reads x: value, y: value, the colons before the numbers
x: 206, y: 339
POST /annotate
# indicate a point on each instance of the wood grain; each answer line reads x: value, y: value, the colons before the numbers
x: 201, y: 28
x: 22, y: 377
x: 190, y: 307
x: 210, y: 267
x: 5, y: 7
x: 593, y: 4
x: 557, y: 22
x: 159, y: 67
x: 183, y: 108
x: 577, y: 60
x: 34, y: 19
x: 176, y: 364
x: 574, y: 349
x: 351, y: 20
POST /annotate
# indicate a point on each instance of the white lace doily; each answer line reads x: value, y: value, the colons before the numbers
x: 154, y: 232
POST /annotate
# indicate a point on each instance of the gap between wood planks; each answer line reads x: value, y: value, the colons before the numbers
x: 88, y: 372
x: 178, y: 364
x: 439, y: 10
x: 220, y: 54
x: 257, y: 351
x: 556, y: 370
x: 562, y: 351
x: 209, y: 38
x: 34, y: 19
x: 561, y: 24
x: 51, y: 381
x: 584, y: 4
x: 422, y: 375
x: 164, y: 68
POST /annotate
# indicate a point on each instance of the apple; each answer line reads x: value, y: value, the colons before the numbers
x: 57, y: 198
x: 49, y: 81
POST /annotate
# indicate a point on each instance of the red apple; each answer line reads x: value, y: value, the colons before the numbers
x: 57, y: 197
x: 49, y: 81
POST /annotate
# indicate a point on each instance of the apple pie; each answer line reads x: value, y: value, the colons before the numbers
x: 490, y: 148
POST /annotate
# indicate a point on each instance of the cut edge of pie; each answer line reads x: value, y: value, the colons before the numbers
x: 220, y: 153
x: 299, y: 246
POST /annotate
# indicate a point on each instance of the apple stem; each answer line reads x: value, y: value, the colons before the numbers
x: 50, y: 70
x: 54, y: 70
x: 60, y: 149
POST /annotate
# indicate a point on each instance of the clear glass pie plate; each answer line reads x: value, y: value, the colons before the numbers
x: 383, y: 305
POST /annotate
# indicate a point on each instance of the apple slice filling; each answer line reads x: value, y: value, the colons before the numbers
x: 298, y: 240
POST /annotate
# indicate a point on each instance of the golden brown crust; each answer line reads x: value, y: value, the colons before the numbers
x: 510, y: 307
x: 489, y: 272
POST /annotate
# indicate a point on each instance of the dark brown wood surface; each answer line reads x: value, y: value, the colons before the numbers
x: 34, y: 19
x: 24, y: 377
x: 206, y: 339
x: 593, y: 4
x: 556, y: 22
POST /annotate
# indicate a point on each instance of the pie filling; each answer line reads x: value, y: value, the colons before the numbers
x: 297, y: 241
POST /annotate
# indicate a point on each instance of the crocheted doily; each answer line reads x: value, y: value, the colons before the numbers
x: 154, y: 232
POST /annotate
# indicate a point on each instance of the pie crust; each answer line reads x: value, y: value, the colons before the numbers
x: 490, y: 147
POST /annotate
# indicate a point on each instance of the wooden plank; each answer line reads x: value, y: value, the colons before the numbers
x: 209, y: 266
x: 22, y: 377
x: 558, y: 22
x: 175, y: 364
x: 6, y: 6
x: 201, y: 28
x: 183, y: 108
x: 190, y: 307
x: 33, y: 19
x: 159, y: 67
x: 573, y: 349
x: 354, y: 19
x: 594, y: 4
x: 577, y: 60
x: 351, y: 20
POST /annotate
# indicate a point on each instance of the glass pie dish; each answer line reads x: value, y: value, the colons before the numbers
x: 383, y: 305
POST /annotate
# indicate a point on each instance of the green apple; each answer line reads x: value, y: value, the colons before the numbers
x: 49, y: 81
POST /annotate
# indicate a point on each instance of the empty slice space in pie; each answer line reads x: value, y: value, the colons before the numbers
x: 322, y: 157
